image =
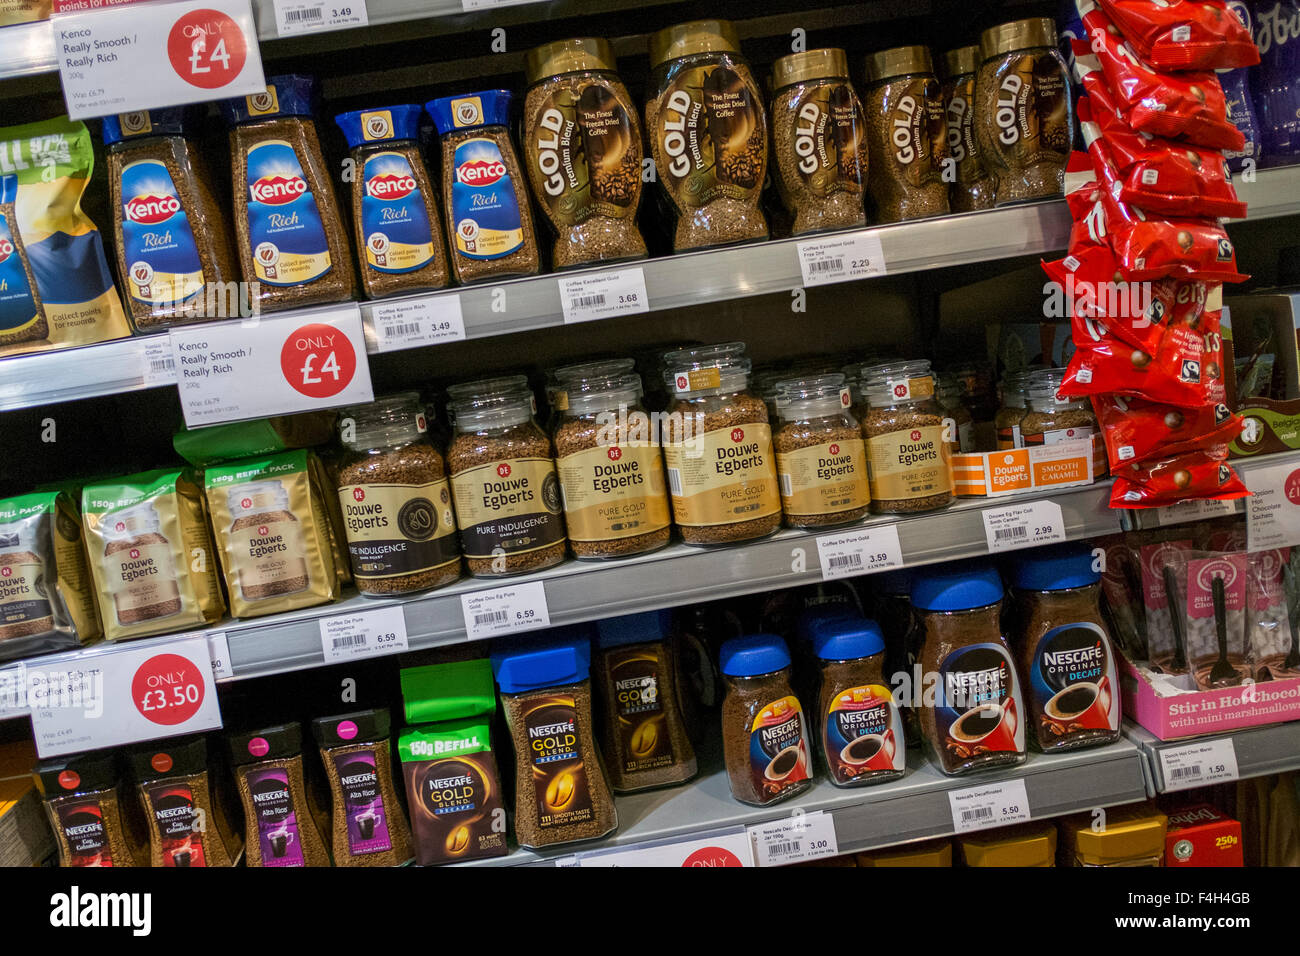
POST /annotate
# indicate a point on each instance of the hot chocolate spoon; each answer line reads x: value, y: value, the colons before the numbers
x: 1222, y: 672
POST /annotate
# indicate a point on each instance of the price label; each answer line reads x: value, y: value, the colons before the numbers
x: 990, y: 805
x: 13, y: 690
x: 1196, y: 510
x: 231, y: 371
x: 1273, y: 508
x: 728, y: 849
x: 346, y: 637
x: 416, y: 322
x: 804, y: 836
x: 824, y: 261
x: 520, y: 607
x: 219, y: 651
x: 469, y: 6
x: 1199, y: 764
x: 121, y: 59
x: 158, y: 365
x: 1023, y: 526
x: 859, y: 552
x: 605, y: 294
x: 314, y: 16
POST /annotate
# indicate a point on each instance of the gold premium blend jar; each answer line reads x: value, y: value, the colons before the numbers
x: 908, y: 137
x: 1023, y: 115
x: 819, y: 138
x: 708, y: 134
x: 582, y: 146
x: 908, y: 454
x: 974, y: 187
x: 821, y: 460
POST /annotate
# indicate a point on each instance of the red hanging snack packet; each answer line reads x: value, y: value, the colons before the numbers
x: 1182, y: 35
x: 1137, y: 431
x: 1166, y: 481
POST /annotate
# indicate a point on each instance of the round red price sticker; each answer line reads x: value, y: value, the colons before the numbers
x: 1291, y: 487
x: 167, y: 689
x: 318, y: 360
x: 712, y: 856
x: 207, y: 48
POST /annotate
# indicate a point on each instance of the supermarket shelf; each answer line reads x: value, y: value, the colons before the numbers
x: 64, y: 375
x: 1272, y: 193
x: 1259, y: 750
x: 27, y: 49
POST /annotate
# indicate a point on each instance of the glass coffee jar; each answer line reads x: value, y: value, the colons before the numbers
x: 1051, y: 418
x: 821, y: 459
x: 973, y: 187
x: 557, y: 395
x: 1024, y: 121
x: 908, y: 457
x: 961, y: 436
x: 907, y: 135
x: 1007, y: 421
x: 718, y: 448
x: 977, y: 718
x: 1066, y: 659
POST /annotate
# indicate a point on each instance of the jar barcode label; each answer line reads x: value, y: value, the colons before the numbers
x: 675, y: 480
x: 507, y: 610
x: 859, y: 552
x: 988, y: 805
x: 823, y: 261
x: 604, y: 294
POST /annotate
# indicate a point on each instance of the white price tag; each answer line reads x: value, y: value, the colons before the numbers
x: 346, y: 637
x: 1199, y: 764
x: 158, y: 365
x: 1196, y: 510
x: 520, y: 607
x: 859, y: 552
x: 127, y: 694
x: 141, y: 56
x: 469, y: 6
x: 219, y: 651
x: 824, y: 261
x: 804, y: 836
x: 603, y: 295
x: 303, y: 361
x: 990, y: 805
x: 1023, y: 526
x: 13, y: 689
x: 1273, y: 508
x: 406, y: 325
x: 725, y: 849
x: 315, y: 16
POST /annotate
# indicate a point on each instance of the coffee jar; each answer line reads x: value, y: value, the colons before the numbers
x: 961, y: 435
x: 1007, y: 421
x: 1024, y: 121
x: 908, y: 455
x: 708, y: 134
x: 1051, y: 418
x: 973, y: 188
x: 821, y: 459
x: 93, y: 822
x: 907, y: 135
x: 819, y: 139
x: 582, y: 146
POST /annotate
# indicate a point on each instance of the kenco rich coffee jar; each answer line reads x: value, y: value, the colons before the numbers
x: 819, y: 140
x: 977, y: 718
x: 973, y: 187
x: 582, y: 146
x: 1066, y: 658
x: 821, y: 459
x: 907, y: 135
x: 708, y: 134
x: 907, y: 449
x: 1023, y: 116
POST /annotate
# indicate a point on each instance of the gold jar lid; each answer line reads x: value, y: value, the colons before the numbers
x: 697, y: 36
x: 1018, y: 35
x: 899, y: 61
x: 1024, y: 844
x: 1133, y: 832
x: 827, y: 63
x: 568, y: 56
x: 963, y: 60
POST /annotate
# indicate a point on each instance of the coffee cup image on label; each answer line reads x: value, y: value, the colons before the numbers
x: 140, y: 565
x: 778, y: 746
x: 1073, y: 684
x: 267, y: 544
x: 976, y: 703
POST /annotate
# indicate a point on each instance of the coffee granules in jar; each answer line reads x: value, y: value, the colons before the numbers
x: 958, y: 420
x: 289, y: 236
x: 907, y: 135
x: 92, y: 825
x: 718, y: 448
x: 821, y: 460
x: 396, y: 499
x: 395, y: 211
x: 1051, y: 418
x: 973, y: 187
x: 611, y: 469
x: 1066, y: 658
x: 183, y: 805
x: 280, y: 829
x: 489, y: 218
x: 582, y: 144
x: 819, y: 138
x: 977, y: 718
x: 862, y: 736
x: 22, y: 318
x: 643, y: 735
x: 1024, y: 122
x: 561, y: 793
x: 907, y: 454
x: 368, y: 827
x: 503, y: 480
x: 764, y: 729
x: 173, y: 251
x: 1007, y: 421
x: 708, y: 134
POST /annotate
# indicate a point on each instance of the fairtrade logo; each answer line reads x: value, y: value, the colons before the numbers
x: 151, y: 209
x: 615, y: 453
x: 6, y: 249
x: 503, y: 470
x: 480, y: 172
x: 737, y: 435
x: 135, y: 553
x: 358, y: 494
x: 390, y: 186
x: 278, y: 190
x: 916, y: 434
x: 835, y: 449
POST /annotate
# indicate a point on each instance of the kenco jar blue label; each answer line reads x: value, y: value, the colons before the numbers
x: 163, y: 266
x: 284, y: 226
x: 394, y: 219
x: 17, y: 306
x: 485, y: 210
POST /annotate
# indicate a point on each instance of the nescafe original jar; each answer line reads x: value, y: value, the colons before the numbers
x: 821, y: 459
x: 708, y: 134
x: 974, y: 187
x: 582, y: 146
x: 908, y: 137
x: 819, y: 138
x: 908, y: 455
x: 1024, y: 120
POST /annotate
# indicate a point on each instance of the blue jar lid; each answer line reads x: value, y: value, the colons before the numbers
x: 894, y: 582
x: 752, y: 655
x: 564, y: 660
x: 169, y: 121
x: 811, y: 618
x: 380, y: 125
x: 1054, y: 568
x: 486, y: 108
x: 8, y: 190
x: 634, y: 628
x: 959, y: 586
x: 289, y: 95
x: 848, y: 639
